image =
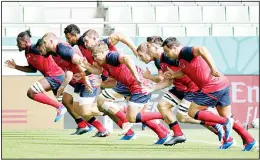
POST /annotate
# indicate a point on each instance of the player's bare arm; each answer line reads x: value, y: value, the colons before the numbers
x: 91, y: 69
x: 161, y: 85
x: 124, y: 59
x: 204, y: 53
x: 170, y: 74
x: 27, y: 69
x: 109, y: 83
x: 94, y: 69
x: 67, y: 79
x: 118, y: 37
x: 76, y: 59
x: 155, y: 78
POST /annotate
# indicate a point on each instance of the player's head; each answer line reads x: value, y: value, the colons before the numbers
x: 148, y: 51
x: 143, y: 52
x: 72, y: 34
x: 154, y: 46
x: 155, y: 39
x: 99, y: 52
x: 171, y: 47
x: 23, y: 40
x: 47, y: 44
x: 90, y: 38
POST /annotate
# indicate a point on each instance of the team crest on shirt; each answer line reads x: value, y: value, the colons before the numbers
x: 163, y: 66
x: 182, y: 65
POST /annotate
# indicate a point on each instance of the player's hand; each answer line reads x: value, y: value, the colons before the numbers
x: 148, y: 89
x: 10, y: 63
x: 60, y: 91
x: 168, y: 74
x: 97, y: 82
x: 147, y: 74
x: 138, y: 81
x: 215, y: 73
x: 85, y: 62
x: 78, y: 76
x: 88, y: 86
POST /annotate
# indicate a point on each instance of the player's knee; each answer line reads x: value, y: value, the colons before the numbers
x: 105, y: 106
x: 67, y: 101
x: 192, y: 112
x: 100, y: 101
x: 162, y: 108
x: 131, y: 118
x: 100, y: 108
x: 181, y: 117
x: 64, y: 102
x: 85, y: 114
x: 30, y: 94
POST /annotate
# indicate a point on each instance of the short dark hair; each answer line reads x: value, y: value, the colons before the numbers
x: 155, y: 39
x: 171, y: 42
x: 24, y: 35
x: 72, y: 29
x: 91, y: 33
x: 39, y: 43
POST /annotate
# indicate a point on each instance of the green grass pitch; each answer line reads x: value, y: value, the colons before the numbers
x: 59, y: 144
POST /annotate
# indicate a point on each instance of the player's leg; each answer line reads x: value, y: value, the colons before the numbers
x: 182, y: 115
x: 36, y: 92
x: 210, y: 99
x: 224, y: 109
x: 215, y: 128
x: 182, y: 111
x: 157, y: 121
x: 106, y: 105
x: 135, y: 105
x: 67, y: 101
x: 144, y: 110
x: 134, y: 115
x: 165, y: 106
x: 87, y: 109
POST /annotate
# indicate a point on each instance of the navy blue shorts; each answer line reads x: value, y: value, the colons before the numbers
x: 140, y: 98
x: 55, y: 82
x: 219, y: 98
x: 81, y: 90
x: 189, y: 96
x: 122, y: 89
x: 179, y: 94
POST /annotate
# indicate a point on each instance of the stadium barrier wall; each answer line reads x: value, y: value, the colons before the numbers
x: 20, y: 112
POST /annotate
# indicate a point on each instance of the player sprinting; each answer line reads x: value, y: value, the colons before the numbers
x: 53, y: 75
x: 84, y: 95
x: 72, y: 34
x: 180, y: 95
x: 122, y: 69
x: 197, y: 63
x: 91, y: 38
